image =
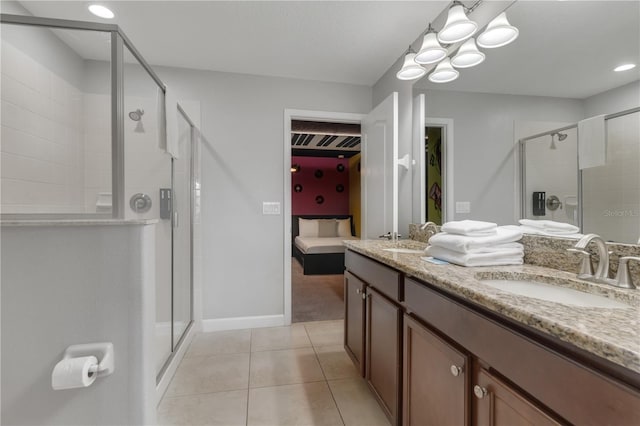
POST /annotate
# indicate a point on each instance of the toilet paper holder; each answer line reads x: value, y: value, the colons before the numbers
x: 103, y: 352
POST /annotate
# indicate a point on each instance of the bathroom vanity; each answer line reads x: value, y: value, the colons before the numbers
x: 438, y: 346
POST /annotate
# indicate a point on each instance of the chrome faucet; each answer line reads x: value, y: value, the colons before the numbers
x: 431, y: 229
x: 602, y: 272
x: 623, y: 277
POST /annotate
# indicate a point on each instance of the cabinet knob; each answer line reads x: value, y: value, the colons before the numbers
x: 479, y: 391
x: 455, y: 370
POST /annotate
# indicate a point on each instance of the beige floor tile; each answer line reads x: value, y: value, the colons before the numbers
x: 302, y: 404
x: 210, y: 374
x: 287, y: 366
x: 220, y: 342
x: 265, y: 339
x: 325, y: 333
x: 220, y: 408
x: 356, y: 403
x: 335, y: 362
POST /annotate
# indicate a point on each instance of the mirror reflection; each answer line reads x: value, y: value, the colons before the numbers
x: 558, y: 72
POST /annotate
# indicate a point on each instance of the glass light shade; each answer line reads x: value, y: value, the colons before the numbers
x: 431, y: 51
x: 498, y: 33
x: 410, y: 70
x: 444, y: 73
x: 468, y: 55
x: 101, y: 11
x: 458, y: 27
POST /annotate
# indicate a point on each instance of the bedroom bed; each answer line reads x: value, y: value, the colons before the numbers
x: 317, y: 242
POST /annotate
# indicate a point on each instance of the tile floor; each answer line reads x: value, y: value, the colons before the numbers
x: 297, y: 375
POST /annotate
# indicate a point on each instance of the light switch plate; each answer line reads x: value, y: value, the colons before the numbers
x: 270, y: 207
x: 463, y: 207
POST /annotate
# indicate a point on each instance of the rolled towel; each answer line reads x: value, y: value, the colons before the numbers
x: 551, y: 226
x: 472, y: 228
x: 515, y: 257
x: 462, y: 243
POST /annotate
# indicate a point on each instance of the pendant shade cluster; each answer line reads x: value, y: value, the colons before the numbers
x: 457, y: 28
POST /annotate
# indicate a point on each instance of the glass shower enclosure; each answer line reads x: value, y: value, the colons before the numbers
x: 83, y: 137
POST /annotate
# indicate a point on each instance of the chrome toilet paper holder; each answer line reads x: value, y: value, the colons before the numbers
x: 103, y: 351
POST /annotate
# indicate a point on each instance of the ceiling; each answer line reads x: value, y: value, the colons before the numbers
x: 323, y: 139
x: 565, y: 49
x: 337, y: 41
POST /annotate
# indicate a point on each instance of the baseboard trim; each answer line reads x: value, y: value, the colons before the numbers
x: 239, y: 323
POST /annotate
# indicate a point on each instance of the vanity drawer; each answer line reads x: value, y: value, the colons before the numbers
x: 382, y: 278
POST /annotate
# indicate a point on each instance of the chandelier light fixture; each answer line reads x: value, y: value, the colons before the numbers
x: 431, y: 50
x: 498, y: 33
x: 458, y: 27
x: 410, y: 69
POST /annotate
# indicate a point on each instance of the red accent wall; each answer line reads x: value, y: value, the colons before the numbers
x: 304, y: 202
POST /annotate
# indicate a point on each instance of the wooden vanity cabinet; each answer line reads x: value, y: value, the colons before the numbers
x: 435, y: 378
x: 354, y: 319
x: 373, y: 328
x: 496, y: 403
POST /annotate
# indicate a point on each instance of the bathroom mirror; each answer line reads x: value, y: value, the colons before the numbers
x: 560, y: 70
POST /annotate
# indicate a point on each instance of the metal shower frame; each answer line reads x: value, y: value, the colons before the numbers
x: 118, y: 42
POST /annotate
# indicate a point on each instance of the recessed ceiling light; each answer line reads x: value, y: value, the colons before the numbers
x: 101, y: 11
x: 625, y: 67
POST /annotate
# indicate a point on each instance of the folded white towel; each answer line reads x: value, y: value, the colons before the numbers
x: 498, y: 248
x: 514, y: 257
x: 462, y: 243
x: 537, y: 231
x: 592, y: 142
x: 472, y: 228
x: 550, y: 226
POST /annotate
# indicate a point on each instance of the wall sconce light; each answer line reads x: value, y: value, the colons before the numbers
x: 468, y: 55
x: 410, y: 69
x: 458, y: 27
x: 498, y: 33
x: 444, y: 72
x: 431, y: 50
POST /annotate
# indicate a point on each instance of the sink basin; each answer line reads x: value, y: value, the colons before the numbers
x: 404, y: 250
x: 554, y: 293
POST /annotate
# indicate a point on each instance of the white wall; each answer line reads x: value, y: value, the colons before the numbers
x: 242, y: 166
x: 614, y: 100
x: 485, y: 149
x: 48, y: 305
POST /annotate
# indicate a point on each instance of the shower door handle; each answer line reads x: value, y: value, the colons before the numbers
x: 175, y: 219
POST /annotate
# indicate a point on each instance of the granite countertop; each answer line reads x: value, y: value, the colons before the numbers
x: 613, y: 334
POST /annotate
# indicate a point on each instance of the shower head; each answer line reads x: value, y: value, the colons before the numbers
x: 136, y: 115
x: 561, y: 136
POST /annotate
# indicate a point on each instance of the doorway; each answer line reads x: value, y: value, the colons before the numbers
x: 318, y: 296
x: 433, y: 174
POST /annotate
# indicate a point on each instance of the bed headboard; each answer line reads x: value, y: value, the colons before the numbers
x: 294, y: 222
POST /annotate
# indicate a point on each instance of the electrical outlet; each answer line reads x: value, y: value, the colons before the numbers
x: 463, y: 207
x: 270, y: 207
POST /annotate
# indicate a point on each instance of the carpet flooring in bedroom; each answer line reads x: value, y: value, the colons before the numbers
x: 315, y: 297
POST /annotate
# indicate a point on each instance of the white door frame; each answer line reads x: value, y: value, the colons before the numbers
x: 299, y: 114
x: 448, y: 207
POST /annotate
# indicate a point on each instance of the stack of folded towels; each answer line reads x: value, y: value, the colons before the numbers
x: 549, y: 228
x: 476, y: 243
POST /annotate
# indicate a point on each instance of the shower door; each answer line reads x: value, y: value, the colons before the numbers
x: 182, y: 230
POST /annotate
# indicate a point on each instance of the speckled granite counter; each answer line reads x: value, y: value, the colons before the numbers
x: 613, y: 334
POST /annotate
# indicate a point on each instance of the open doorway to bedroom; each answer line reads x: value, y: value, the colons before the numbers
x: 325, y: 210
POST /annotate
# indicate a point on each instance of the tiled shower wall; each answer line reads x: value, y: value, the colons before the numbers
x: 42, y: 137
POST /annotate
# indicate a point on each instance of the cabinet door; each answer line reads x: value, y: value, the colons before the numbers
x: 497, y: 403
x: 354, y: 293
x: 435, y: 379
x: 383, y: 366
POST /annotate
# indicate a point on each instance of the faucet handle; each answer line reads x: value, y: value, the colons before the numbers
x: 586, y: 268
x: 623, y: 277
